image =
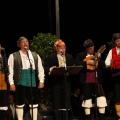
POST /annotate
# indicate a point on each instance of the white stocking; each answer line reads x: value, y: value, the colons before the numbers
x: 19, y: 112
x: 35, y: 110
x: 87, y: 111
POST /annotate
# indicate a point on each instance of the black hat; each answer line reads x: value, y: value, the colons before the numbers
x: 116, y: 36
x: 88, y: 43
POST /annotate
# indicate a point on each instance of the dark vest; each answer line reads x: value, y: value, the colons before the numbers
x: 18, y: 66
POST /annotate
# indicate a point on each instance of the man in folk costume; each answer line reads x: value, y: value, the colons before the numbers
x: 91, y: 78
x: 113, y: 62
x: 26, y: 76
x: 4, y: 88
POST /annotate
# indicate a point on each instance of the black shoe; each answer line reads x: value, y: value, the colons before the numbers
x: 101, y: 117
x: 58, y: 115
x: 88, y: 117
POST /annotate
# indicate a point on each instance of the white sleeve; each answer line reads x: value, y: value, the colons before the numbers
x: 41, y: 74
x: 108, y: 59
x: 10, y: 65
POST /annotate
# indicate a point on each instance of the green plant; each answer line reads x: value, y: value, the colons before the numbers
x: 43, y: 45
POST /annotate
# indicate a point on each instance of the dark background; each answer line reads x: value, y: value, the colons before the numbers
x: 79, y: 20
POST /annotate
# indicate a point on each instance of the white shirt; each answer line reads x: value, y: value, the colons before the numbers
x: 26, y: 65
x: 109, y: 57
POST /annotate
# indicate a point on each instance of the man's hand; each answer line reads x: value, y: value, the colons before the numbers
x: 51, y: 69
x: 90, y: 62
x: 99, y: 55
x: 41, y: 85
x: 12, y: 87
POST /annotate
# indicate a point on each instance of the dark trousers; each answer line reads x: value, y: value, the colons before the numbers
x: 2, y: 115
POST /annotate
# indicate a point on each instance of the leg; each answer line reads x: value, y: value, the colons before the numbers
x: 2, y: 114
x: 101, y: 113
x: 19, y: 112
x: 4, y: 103
x: 87, y: 103
x: 87, y: 113
x: 33, y: 112
x: 56, y: 96
x: 19, y: 101
x: 58, y: 114
x: 117, y: 107
x: 101, y: 104
x: 33, y: 103
x: 117, y: 96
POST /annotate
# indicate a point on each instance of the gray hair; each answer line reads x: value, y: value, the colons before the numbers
x: 20, y: 39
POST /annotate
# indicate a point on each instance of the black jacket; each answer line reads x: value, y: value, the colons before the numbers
x: 79, y: 61
x: 52, y: 60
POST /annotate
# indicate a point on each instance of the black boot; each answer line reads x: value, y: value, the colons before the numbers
x: 57, y: 115
x: 88, y: 117
x: 65, y: 115
x: 101, y: 116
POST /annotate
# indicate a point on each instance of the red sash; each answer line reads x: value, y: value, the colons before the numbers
x: 91, y: 77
